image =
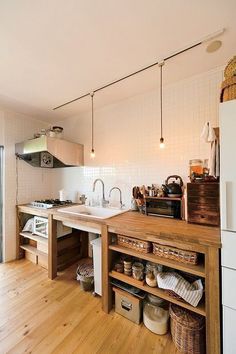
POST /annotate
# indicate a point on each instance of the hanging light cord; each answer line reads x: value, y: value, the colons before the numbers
x: 161, y: 97
x: 92, y: 94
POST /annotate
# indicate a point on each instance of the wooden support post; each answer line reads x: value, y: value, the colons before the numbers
x: 106, y: 266
x: 52, y: 247
x: 213, y: 301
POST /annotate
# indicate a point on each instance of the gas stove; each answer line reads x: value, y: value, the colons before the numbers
x: 50, y: 203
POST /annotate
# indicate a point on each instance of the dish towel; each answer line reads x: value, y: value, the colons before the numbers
x: 208, y: 135
x: 191, y: 293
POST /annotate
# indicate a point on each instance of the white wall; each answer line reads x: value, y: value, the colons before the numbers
x: 32, y: 182
x: 127, y: 137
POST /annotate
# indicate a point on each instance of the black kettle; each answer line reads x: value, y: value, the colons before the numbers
x: 173, y: 189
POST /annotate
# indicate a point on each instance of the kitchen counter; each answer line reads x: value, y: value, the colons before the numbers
x: 177, y: 233
x: 147, y: 227
x: 140, y: 225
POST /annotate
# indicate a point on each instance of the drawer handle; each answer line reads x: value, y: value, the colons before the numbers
x: 126, y: 305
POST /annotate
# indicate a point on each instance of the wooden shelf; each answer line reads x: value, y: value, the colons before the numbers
x: 36, y: 238
x: 33, y: 250
x: 198, y: 270
x: 200, y: 309
x: 164, y: 198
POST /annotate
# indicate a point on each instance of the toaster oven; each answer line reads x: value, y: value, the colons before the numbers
x: 165, y: 207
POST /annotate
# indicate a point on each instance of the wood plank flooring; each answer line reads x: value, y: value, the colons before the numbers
x: 43, y: 316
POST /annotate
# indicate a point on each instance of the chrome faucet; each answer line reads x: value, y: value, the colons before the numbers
x: 104, y: 201
x: 112, y: 189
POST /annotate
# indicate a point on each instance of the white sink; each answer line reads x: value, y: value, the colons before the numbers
x: 92, y: 212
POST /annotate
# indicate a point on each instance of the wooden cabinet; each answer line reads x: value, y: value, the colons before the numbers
x: 52, y: 253
x: 207, y: 269
x: 203, y: 203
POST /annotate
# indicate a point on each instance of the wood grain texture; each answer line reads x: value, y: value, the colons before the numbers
x: 149, y: 227
x: 52, y: 247
x: 203, y: 203
x: 39, y: 315
x: 213, y: 301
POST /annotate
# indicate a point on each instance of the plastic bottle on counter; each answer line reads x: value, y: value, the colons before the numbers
x: 62, y: 195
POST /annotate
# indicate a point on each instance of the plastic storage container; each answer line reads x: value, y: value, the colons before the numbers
x: 97, y: 264
x: 155, y: 316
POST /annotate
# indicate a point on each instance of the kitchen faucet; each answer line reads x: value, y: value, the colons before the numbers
x: 121, y: 204
x: 104, y: 201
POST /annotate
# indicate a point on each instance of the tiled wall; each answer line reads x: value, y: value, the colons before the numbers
x: 32, y: 182
x: 127, y: 137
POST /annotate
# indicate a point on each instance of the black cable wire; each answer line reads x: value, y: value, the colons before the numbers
x: 161, y: 98
x: 128, y: 76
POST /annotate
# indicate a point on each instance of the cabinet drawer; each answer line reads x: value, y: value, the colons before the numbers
x: 201, y: 217
x: 229, y: 325
x: 214, y: 201
x: 208, y: 190
x: 229, y: 287
x: 228, y: 240
x: 203, y: 207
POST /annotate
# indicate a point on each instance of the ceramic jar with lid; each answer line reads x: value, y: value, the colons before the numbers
x: 138, y: 271
x: 151, y: 273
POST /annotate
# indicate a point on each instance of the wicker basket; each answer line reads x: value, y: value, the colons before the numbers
x: 187, y: 330
x: 183, y: 256
x: 135, y: 244
x: 228, y: 89
x: 230, y: 69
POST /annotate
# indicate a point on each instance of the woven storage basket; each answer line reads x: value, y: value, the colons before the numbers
x: 183, y: 256
x: 230, y: 69
x: 228, y: 89
x: 135, y: 244
x: 187, y: 330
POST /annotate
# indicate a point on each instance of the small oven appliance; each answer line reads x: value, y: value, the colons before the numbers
x: 165, y: 207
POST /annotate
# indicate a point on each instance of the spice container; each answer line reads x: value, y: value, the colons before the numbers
x: 151, y: 273
x: 138, y: 271
x: 128, y: 267
x: 155, y: 316
x: 119, y: 267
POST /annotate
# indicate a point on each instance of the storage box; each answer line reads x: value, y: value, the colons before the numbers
x: 43, y: 247
x: 31, y: 257
x: 43, y: 261
x: 128, y: 305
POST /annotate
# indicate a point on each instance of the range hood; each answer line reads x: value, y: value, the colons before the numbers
x: 50, y: 152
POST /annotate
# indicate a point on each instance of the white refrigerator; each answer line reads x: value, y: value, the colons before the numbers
x: 228, y: 222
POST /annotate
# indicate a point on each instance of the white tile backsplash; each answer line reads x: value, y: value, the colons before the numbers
x: 127, y: 137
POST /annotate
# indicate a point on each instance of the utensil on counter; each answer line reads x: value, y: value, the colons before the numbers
x: 173, y: 189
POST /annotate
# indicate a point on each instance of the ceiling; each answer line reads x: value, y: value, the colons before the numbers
x: 55, y: 50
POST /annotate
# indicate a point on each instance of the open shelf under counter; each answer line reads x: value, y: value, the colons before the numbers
x: 200, y: 309
x: 198, y: 270
x: 33, y: 250
x: 34, y: 237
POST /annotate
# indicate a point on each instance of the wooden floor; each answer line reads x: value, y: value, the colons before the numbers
x: 38, y: 315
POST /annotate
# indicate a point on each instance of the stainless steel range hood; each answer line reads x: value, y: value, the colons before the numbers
x: 50, y: 152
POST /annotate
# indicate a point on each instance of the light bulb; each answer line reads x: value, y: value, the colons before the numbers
x: 162, y: 145
x: 92, y: 154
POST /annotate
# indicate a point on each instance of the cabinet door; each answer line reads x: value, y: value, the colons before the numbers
x: 229, y: 325
x: 228, y: 240
x: 229, y: 287
x: 228, y: 166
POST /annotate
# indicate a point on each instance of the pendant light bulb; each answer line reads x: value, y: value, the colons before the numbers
x: 92, y: 154
x: 162, y: 144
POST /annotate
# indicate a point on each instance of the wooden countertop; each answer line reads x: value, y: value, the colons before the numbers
x: 145, y: 227
x: 167, y: 229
